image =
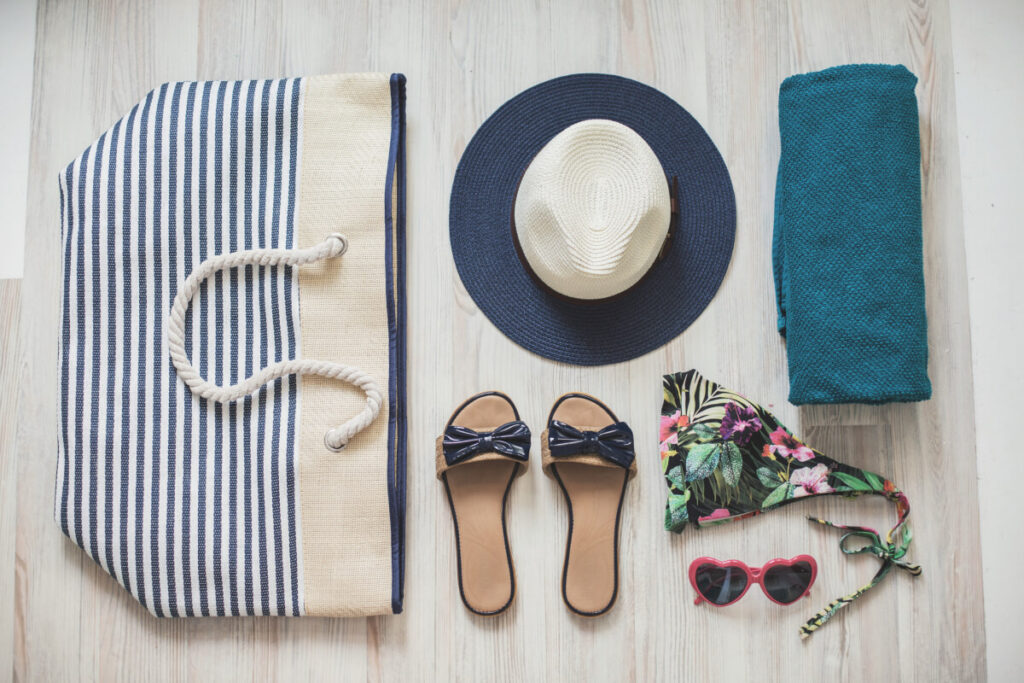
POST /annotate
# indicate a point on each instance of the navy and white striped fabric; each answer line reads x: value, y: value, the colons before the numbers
x: 192, y: 506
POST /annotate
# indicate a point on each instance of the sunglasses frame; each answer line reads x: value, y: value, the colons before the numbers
x: 753, y: 574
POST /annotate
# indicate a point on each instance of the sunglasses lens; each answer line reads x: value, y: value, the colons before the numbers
x: 787, y: 584
x: 720, y: 585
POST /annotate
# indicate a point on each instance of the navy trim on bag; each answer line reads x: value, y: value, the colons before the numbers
x: 395, y: 275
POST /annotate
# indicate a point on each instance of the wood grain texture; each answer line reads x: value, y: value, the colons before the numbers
x: 10, y: 313
x: 723, y: 61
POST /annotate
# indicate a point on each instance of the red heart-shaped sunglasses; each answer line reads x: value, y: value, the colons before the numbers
x: 723, y: 583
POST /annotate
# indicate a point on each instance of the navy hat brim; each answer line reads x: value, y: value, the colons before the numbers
x: 674, y: 292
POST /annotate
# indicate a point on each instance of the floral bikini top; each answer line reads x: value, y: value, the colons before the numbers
x: 726, y: 458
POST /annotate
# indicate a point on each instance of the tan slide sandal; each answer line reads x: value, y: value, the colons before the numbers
x: 485, y: 446
x: 590, y: 454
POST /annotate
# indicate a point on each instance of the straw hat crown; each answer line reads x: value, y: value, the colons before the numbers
x: 592, y: 210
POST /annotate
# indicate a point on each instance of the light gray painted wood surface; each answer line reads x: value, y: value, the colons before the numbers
x: 63, y: 618
x: 17, y: 35
x: 990, y: 97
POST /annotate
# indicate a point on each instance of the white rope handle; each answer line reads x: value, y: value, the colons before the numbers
x: 335, y: 245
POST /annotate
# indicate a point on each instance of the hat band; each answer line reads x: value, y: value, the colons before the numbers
x: 673, y: 189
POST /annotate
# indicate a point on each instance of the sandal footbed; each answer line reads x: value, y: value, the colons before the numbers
x: 478, y: 491
x: 594, y: 493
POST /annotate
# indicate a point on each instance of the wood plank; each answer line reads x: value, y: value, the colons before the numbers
x: 10, y: 316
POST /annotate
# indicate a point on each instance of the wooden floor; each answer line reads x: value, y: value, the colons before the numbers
x: 61, y: 618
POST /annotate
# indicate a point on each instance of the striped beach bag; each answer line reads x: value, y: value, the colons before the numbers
x: 232, y: 351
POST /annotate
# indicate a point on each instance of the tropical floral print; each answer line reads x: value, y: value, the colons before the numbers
x: 725, y: 458
x: 785, y: 445
x: 739, y: 423
x: 719, y: 515
x: 668, y: 430
x: 807, y: 481
x: 728, y: 457
x: 670, y: 426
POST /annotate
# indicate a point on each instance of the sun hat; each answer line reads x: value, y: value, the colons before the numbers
x: 592, y: 219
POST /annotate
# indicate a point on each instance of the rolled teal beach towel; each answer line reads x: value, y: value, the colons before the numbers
x: 847, y: 253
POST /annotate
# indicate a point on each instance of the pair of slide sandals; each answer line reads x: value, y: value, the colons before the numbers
x: 586, y: 449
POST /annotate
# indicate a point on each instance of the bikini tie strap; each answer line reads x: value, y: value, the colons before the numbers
x: 884, y: 551
x: 889, y: 552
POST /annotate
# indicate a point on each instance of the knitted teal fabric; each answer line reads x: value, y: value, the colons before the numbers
x: 849, y: 277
